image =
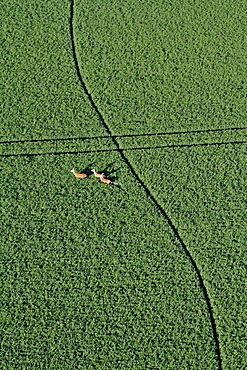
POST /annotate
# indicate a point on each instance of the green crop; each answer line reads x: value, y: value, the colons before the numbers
x: 203, y: 190
x: 41, y: 94
x: 91, y: 274
x: 160, y: 66
x: 147, y: 273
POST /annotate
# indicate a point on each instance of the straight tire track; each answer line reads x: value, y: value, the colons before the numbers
x: 123, y: 136
x: 122, y: 149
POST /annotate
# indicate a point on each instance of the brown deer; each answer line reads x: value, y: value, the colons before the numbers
x: 104, y: 179
x: 101, y: 176
x: 96, y: 174
x: 80, y: 175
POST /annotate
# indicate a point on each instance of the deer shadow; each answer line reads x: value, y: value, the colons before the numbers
x: 87, y: 170
x: 109, y: 170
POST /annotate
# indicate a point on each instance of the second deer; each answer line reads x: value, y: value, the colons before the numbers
x: 101, y: 176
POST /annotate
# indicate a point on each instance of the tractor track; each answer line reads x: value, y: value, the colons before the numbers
x: 118, y: 149
x: 124, y: 135
x: 149, y: 194
x: 121, y: 151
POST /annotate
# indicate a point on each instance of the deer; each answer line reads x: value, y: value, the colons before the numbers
x: 80, y: 175
x: 104, y: 179
x: 101, y: 176
x: 96, y: 174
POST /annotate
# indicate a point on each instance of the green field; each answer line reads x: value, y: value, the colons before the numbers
x: 149, y: 273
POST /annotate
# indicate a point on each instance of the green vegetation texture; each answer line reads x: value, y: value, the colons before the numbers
x: 41, y: 94
x: 95, y: 276
x: 158, y: 66
x: 87, y: 282
x: 203, y: 190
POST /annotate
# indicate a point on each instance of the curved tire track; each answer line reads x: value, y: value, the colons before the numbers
x: 161, y: 210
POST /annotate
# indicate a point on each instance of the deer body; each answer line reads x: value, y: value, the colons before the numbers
x: 80, y: 175
x: 101, y: 176
x: 96, y: 174
x: 104, y: 179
